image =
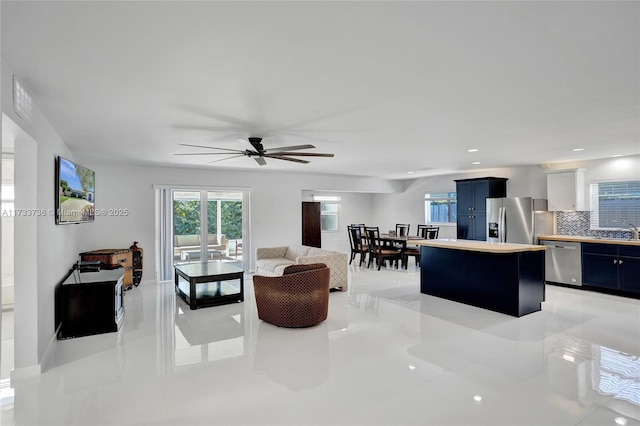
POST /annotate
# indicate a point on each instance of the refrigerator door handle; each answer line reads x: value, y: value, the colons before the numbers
x: 502, y: 224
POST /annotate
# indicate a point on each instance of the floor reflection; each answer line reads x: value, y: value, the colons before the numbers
x: 208, y: 334
x: 297, y: 358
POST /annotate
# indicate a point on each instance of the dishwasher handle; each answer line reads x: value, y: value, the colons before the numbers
x: 565, y: 247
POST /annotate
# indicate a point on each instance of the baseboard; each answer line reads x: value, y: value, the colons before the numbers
x: 47, y: 357
x: 31, y: 372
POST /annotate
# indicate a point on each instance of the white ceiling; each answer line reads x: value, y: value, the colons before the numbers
x: 389, y: 87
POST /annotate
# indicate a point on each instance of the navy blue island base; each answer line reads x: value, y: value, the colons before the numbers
x: 511, y: 283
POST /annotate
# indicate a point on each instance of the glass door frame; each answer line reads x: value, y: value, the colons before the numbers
x: 164, y: 223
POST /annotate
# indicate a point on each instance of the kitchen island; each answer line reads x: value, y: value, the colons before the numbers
x: 502, y: 277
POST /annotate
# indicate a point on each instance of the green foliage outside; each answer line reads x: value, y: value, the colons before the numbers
x: 232, y: 219
x: 64, y: 185
x: 186, y: 218
x: 87, y: 179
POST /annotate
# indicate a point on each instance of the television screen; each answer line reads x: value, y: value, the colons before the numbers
x: 75, y: 193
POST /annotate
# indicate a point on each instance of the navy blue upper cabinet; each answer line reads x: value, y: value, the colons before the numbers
x: 612, y: 266
x: 472, y: 197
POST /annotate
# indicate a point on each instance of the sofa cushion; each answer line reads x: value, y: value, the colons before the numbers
x: 212, y: 240
x: 275, y: 264
x: 292, y: 269
x: 295, y: 251
x: 314, y: 251
x: 186, y: 240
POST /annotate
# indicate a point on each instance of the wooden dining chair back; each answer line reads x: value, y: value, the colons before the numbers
x: 402, y: 229
x: 428, y: 232
x: 358, y: 246
x: 380, y: 252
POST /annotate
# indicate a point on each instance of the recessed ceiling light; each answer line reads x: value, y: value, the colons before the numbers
x: 473, y: 150
x: 617, y: 155
x: 620, y: 421
x: 577, y: 149
x: 477, y: 398
x: 410, y: 173
x: 475, y: 163
x: 412, y: 367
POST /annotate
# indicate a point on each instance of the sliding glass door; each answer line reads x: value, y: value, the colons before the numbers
x: 207, y: 226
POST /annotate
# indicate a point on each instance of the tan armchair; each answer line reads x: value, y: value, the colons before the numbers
x: 298, y: 298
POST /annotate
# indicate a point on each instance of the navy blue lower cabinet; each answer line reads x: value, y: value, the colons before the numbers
x: 629, y: 268
x: 509, y: 283
x: 611, y: 267
x: 600, y: 271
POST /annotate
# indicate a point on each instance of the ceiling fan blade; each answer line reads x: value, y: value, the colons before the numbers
x: 279, y: 157
x: 208, y: 153
x: 260, y: 161
x: 228, y: 158
x: 210, y: 147
x: 306, y: 154
x: 288, y: 148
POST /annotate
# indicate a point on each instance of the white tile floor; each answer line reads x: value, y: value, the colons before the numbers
x: 387, y: 355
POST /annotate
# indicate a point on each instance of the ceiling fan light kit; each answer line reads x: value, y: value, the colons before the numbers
x: 258, y: 152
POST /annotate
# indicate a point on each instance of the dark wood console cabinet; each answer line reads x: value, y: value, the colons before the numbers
x: 116, y: 258
x: 90, y: 303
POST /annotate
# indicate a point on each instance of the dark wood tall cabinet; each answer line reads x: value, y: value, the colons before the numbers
x: 90, y: 303
x: 472, y: 197
x: 311, y: 235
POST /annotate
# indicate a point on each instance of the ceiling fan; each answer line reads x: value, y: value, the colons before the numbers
x: 254, y: 149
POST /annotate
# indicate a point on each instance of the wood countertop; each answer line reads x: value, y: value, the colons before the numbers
x: 583, y: 239
x: 481, y: 246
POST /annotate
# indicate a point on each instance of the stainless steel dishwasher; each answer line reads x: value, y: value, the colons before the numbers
x: 563, y: 262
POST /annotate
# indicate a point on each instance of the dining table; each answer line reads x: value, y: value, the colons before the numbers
x: 402, y: 241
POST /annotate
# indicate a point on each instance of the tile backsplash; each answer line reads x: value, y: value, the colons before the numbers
x: 577, y: 223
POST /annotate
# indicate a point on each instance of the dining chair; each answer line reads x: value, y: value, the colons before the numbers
x: 380, y: 252
x: 402, y: 229
x: 427, y: 232
x: 357, y: 244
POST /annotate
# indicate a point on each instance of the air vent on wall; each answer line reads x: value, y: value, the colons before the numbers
x: 22, y: 103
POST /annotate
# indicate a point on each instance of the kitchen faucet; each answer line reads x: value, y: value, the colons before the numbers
x: 634, y: 231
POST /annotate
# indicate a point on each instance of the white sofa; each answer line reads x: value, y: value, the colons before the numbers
x: 271, y: 261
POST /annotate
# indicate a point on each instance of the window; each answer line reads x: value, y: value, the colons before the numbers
x: 329, y: 212
x: 440, y: 207
x: 615, y: 205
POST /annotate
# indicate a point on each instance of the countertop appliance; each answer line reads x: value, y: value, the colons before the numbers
x: 563, y: 262
x: 518, y: 220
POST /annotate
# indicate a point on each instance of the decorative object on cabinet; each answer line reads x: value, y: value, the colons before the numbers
x: 112, y: 259
x: 136, y: 259
x: 472, y: 197
x: 565, y: 189
x: 311, y: 235
x: 89, y: 303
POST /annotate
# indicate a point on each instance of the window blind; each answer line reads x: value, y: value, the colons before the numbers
x: 615, y: 204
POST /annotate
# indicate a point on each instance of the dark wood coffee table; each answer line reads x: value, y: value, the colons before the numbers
x: 209, y: 283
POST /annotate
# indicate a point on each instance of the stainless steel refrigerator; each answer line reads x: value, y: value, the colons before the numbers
x: 518, y: 220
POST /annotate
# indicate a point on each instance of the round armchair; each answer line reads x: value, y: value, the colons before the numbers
x: 298, y: 298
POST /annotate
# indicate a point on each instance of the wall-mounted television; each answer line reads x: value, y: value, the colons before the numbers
x: 75, y: 193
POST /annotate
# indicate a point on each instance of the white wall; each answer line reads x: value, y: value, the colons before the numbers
x: 619, y: 168
x: 354, y: 208
x: 408, y: 206
x: 275, y: 204
x: 55, y: 248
